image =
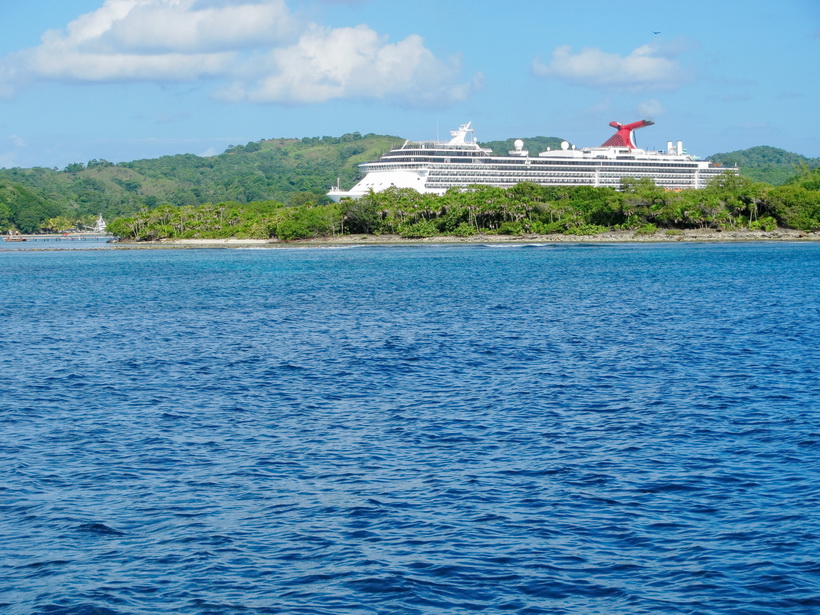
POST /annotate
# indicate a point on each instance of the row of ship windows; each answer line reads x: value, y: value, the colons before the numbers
x: 546, y: 168
x: 519, y: 177
x: 600, y: 176
x: 567, y: 176
x: 427, y: 156
x: 440, y: 183
x: 518, y: 163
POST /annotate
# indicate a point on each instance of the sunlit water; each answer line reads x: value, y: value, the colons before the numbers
x: 451, y: 429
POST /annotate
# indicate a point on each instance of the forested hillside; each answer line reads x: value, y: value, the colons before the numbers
x: 22, y: 208
x: 767, y: 164
x: 291, y: 172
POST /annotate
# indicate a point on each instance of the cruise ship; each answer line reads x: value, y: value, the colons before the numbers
x: 435, y: 167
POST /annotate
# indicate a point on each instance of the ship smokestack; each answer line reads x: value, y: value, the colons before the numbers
x: 669, y: 148
x: 680, y: 148
x: 624, y: 136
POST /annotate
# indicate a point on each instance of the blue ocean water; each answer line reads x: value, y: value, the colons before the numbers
x: 50, y: 243
x: 434, y: 429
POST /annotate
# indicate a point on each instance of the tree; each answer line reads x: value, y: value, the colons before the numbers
x: 642, y: 200
x: 58, y: 224
x: 797, y: 207
x: 5, y: 217
x: 362, y: 215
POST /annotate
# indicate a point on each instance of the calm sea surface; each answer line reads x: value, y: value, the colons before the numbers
x: 411, y: 430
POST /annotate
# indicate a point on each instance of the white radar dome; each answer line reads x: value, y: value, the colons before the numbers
x: 564, y: 145
x: 519, y: 144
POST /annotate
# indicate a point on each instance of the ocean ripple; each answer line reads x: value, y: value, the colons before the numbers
x: 437, y: 429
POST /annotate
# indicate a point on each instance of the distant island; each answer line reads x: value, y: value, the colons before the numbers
x: 277, y: 188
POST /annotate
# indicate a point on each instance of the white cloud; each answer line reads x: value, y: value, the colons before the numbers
x: 257, y: 45
x: 101, y: 67
x: 328, y: 64
x: 646, y: 68
x: 191, y: 26
x: 155, y: 40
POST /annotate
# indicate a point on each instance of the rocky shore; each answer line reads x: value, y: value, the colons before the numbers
x: 699, y: 235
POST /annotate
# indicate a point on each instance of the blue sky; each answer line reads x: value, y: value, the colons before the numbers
x: 126, y: 79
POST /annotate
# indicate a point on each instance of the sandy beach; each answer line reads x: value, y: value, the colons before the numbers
x: 705, y: 235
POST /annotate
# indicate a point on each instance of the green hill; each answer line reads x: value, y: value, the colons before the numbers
x: 770, y: 165
x: 23, y: 208
x: 290, y: 171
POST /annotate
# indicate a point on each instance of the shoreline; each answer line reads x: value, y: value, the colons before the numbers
x: 699, y: 235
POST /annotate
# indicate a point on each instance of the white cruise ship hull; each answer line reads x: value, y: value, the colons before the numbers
x: 430, y: 167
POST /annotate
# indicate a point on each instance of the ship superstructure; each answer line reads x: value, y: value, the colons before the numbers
x: 434, y: 167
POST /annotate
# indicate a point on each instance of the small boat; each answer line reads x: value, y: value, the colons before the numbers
x: 14, y: 236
